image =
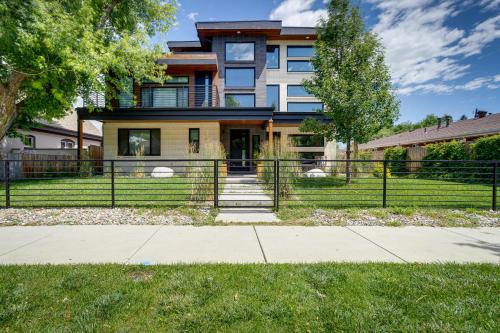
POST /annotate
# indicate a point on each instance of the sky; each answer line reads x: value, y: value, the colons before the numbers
x: 444, y: 56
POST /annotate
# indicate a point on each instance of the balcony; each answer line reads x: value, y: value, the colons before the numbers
x: 179, y: 96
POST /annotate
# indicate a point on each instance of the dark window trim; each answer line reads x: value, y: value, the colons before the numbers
x: 309, y: 135
x: 298, y: 47
x: 296, y: 85
x: 128, y: 140
x: 279, y: 56
x: 239, y: 61
x: 239, y: 87
x: 33, y: 140
x: 288, y: 67
x: 288, y: 106
x: 279, y: 97
x: 195, y: 143
x: 246, y: 94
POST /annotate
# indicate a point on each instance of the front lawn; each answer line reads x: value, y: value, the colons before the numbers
x: 250, y: 298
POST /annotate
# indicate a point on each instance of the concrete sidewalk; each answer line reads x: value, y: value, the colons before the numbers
x: 245, y: 244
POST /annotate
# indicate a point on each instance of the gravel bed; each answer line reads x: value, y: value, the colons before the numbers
x: 455, y: 218
x: 87, y: 216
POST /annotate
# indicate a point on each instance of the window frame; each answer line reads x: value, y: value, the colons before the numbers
x: 150, y: 141
x: 33, y: 140
x: 238, y: 87
x: 277, y: 109
x: 297, y: 85
x: 279, y: 56
x: 66, y: 141
x: 194, y: 143
x: 290, y: 136
x: 299, y: 47
x: 239, y: 61
x: 288, y: 106
x: 296, y: 61
x: 239, y: 94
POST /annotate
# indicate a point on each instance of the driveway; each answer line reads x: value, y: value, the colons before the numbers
x: 245, y: 244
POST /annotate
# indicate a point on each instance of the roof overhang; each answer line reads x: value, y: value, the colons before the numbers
x: 64, y: 132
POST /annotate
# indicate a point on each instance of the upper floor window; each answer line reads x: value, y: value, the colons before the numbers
x: 297, y: 91
x: 126, y: 93
x: 300, y: 51
x: 29, y: 141
x: 138, y: 142
x: 273, y: 57
x: 244, y: 51
x: 273, y: 96
x: 304, y: 107
x: 67, y: 144
x: 240, y: 100
x: 240, y: 77
x: 174, y: 97
x: 300, y: 66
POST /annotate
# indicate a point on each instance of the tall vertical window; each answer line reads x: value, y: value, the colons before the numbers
x: 255, y: 146
x: 273, y: 96
x: 139, y: 142
x: 243, y: 51
x: 273, y: 57
x: 194, y: 140
x: 126, y: 93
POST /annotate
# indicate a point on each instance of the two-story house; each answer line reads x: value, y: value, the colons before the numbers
x: 239, y: 84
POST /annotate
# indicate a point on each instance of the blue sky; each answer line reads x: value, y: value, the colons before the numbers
x: 444, y: 56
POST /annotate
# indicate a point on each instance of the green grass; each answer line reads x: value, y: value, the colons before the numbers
x: 250, y: 298
x: 401, y: 192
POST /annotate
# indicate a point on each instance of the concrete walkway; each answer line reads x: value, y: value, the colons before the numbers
x: 245, y: 244
x: 245, y: 190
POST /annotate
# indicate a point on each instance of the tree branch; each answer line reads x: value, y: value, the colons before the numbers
x: 107, y: 12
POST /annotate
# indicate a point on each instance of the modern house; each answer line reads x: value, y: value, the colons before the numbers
x: 483, y: 124
x: 239, y: 84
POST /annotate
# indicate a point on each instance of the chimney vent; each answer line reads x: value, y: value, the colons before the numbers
x: 448, y: 120
x: 439, y: 123
x: 480, y: 113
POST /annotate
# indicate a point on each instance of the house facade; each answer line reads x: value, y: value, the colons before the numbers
x: 240, y: 84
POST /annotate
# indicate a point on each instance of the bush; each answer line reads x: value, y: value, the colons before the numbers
x: 487, y: 148
x: 396, y: 154
x: 202, y: 172
x: 446, y: 151
x: 378, y: 170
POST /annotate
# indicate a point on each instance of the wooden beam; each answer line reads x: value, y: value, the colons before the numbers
x: 270, y: 135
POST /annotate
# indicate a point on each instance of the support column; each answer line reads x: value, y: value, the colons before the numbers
x: 80, y: 139
x: 270, y: 135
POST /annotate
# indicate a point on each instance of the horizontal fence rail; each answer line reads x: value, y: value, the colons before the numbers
x: 249, y: 183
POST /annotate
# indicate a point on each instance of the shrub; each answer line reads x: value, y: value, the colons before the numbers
x: 396, y: 154
x: 487, y: 148
x: 378, y: 170
x: 446, y: 151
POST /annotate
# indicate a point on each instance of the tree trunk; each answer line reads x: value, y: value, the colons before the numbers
x: 348, y: 163
x: 8, y: 98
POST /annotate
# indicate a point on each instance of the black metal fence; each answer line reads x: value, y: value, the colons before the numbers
x: 249, y: 183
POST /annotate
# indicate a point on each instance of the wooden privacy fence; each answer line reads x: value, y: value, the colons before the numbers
x: 415, y: 154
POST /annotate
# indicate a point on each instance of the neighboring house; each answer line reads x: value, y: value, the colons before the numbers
x: 447, y: 130
x: 239, y: 84
x: 59, y: 134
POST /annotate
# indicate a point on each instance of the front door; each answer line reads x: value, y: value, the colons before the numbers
x: 239, y: 150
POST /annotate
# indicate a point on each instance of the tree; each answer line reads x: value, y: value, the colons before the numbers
x: 350, y: 78
x: 53, y: 51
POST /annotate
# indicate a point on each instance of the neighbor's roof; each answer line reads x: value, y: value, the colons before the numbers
x: 456, y: 130
x: 70, y: 123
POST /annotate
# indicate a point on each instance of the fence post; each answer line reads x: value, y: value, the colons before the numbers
x: 276, y: 184
x: 113, y: 184
x: 7, y: 184
x: 216, y: 184
x: 495, y: 185
x: 384, y: 188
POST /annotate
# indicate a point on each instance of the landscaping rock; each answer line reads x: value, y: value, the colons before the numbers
x: 162, y: 172
x: 315, y: 173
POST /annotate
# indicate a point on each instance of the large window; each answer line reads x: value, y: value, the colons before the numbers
x: 164, y: 97
x: 244, y: 52
x: 273, y: 96
x: 306, y: 140
x: 273, y: 57
x: 126, y: 93
x: 194, y: 140
x: 300, y: 66
x: 240, y: 77
x: 297, y: 91
x: 67, y: 144
x: 240, y: 100
x: 304, y: 107
x: 138, y: 142
x: 300, y: 51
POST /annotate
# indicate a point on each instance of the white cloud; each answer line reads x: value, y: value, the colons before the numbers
x: 490, y: 4
x: 192, y: 16
x: 496, y: 78
x: 297, y: 13
x: 440, y: 88
x: 475, y: 84
x: 423, y: 52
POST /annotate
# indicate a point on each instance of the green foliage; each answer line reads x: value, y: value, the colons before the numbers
x: 378, y: 170
x: 350, y: 78
x: 487, y: 148
x: 428, y: 121
x: 396, y: 154
x: 452, y: 150
x: 54, y: 51
x: 447, y: 151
